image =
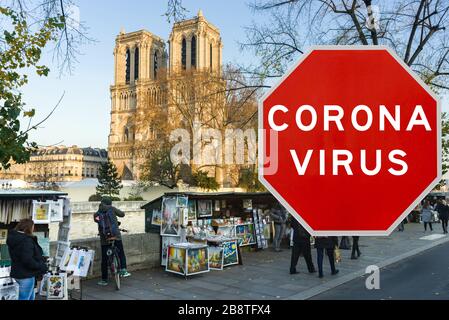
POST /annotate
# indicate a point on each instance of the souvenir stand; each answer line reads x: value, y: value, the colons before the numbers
x: 44, y: 207
x: 225, y: 223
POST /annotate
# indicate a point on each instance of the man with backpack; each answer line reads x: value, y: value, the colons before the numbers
x: 108, y: 227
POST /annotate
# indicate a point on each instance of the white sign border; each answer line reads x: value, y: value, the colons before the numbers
x: 416, y: 202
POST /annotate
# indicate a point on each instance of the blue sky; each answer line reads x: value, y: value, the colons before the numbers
x: 83, y: 117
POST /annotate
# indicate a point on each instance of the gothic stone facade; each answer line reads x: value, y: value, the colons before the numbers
x: 140, y: 58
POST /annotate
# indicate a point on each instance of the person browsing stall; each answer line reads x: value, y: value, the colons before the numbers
x: 27, y: 261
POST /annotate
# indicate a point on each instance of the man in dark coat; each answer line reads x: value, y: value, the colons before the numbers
x: 327, y: 244
x: 301, y: 245
x: 443, y: 213
x: 105, y: 206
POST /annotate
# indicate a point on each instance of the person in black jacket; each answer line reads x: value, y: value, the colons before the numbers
x: 443, y: 213
x: 328, y: 244
x: 27, y: 261
x: 301, y: 245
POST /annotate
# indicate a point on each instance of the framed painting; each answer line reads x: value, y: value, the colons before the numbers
x: 156, y: 218
x: 230, y: 254
x: 170, y: 223
x: 182, y: 202
x: 176, y: 260
x: 197, y: 260
x: 248, y: 204
x: 204, y: 208
x: 57, y: 210
x: 166, y: 242
x: 216, y: 258
x: 192, y: 210
x: 245, y: 234
x: 41, y: 212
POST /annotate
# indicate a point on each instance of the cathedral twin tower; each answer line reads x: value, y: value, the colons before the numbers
x: 140, y: 58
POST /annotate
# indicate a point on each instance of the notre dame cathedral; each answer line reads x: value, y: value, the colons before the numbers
x: 140, y: 58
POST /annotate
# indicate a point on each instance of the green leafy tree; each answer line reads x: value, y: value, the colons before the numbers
x: 249, y: 180
x: 25, y: 31
x: 109, y: 182
x: 20, y: 50
x: 203, y: 181
x: 159, y: 169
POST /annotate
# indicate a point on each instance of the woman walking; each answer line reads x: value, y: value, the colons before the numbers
x: 328, y: 244
x: 27, y: 261
x: 426, y: 215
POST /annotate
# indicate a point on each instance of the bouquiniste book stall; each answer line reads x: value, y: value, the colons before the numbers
x: 199, y: 229
x: 44, y: 208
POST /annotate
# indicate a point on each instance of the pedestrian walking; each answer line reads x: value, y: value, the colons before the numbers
x: 327, y: 244
x: 279, y: 216
x: 426, y: 215
x: 443, y: 213
x: 301, y: 246
x: 27, y: 261
x: 355, y: 248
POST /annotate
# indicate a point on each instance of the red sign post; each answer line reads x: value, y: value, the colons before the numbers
x: 350, y: 141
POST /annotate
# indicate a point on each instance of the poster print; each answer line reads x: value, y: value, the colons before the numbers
x: 192, y: 210
x: 204, y: 208
x: 170, y: 218
x: 43, y: 242
x: 184, y: 216
x: 43, y: 285
x: 197, y: 260
x: 182, y: 202
x: 3, y: 236
x: 9, y: 290
x: 248, y: 204
x: 156, y: 218
x: 216, y: 258
x: 84, y: 261
x: 57, y: 210
x: 41, y: 212
x: 230, y: 254
x: 167, y: 241
x: 217, y: 205
x: 63, y: 265
x: 74, y: 260
x: 176, y: 260
x: 56, y: 286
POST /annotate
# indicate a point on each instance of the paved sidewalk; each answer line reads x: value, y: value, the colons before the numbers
x: 265, y: 274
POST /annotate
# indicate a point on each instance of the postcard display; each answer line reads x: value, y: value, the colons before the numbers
x: 9, y: 288
x: 187, y: 258
x: 259, y: 226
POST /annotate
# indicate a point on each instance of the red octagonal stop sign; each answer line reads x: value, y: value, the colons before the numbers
x: 350, y: 140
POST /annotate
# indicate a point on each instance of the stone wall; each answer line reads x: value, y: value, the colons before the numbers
x: 83, y: 226
x: 142, y: 251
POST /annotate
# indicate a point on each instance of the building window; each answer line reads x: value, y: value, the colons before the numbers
x: 155, y: 67
x: 193, y: 52
x: 127, y: 136
x: 210, y: 54
x: 128, y: 66
x: 136, y: 64
x: 184, y: 54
